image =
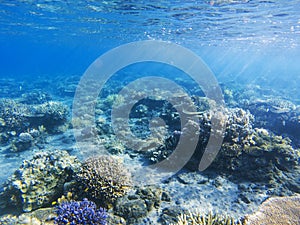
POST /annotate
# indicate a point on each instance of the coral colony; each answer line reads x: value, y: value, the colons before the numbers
x: 84, y: 212
x: 105, y: 178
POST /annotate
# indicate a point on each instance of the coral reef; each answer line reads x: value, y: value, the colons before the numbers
x: 245, y: 149
x: 271, y: 109
x: 17, y: 117
x: 51, y: 115
x: 35, y: 97
x: 247, y: 153
x: 18, y: 220
x: 277, y: 210
x: 23, y: 125
x: 83, y: 212
x: 209, y: 219
x: 39, y: 181
x: 66, y: 86
x: 103, y: 179
x: 258, y: 159
x: 278, y: 115
x: 44, y: 216
x: 13, y: 116
x: 265, y: 157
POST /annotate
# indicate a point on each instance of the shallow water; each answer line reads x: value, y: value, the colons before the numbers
x: 250, y: 52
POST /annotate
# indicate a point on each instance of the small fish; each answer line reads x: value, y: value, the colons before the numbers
x: 69, y: 195
x: 54, y: 203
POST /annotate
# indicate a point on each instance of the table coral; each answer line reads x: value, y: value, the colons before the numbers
x: 277, y: 210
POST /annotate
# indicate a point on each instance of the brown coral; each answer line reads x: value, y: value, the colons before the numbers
x: 104, y: 179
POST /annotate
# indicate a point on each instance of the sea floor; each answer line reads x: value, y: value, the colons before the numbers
x: 221, y: 189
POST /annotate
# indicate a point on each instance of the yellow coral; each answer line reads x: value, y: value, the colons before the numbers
x: 277, y: 210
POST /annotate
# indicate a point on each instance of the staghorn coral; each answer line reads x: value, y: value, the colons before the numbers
x: 209, y: 219
x: 39, y: 181
x: 103, y: 179
x: 83, y: 212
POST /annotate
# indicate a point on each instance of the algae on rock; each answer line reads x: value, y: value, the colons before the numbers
x: 39, y: 181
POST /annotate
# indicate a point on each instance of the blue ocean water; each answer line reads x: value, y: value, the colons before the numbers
x: 235, y: 38
x: 251, y: 46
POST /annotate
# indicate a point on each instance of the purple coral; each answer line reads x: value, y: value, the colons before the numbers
x: 84, y: 212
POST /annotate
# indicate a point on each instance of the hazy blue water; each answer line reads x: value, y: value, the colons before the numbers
x: 239, y: 40
x: 254, y: 41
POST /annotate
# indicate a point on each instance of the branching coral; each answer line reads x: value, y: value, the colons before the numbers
x: 209, y: 219
x: 84, y: 212
x: 103, y: 179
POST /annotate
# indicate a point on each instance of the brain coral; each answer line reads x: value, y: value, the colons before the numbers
x: 104, y: 179
x: 39, y: 181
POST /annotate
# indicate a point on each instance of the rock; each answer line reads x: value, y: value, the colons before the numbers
x: 25, y: 137
x: 23, y: 142
x: 192, y: 178
x: 39, y: 217
x: 151, y: 195
x: 131, y: 210
x: 169, y: 215
x: 22, y: 219
x: 135, y: 207
x: 165, y: 197
x: 113, y: 219
x: 39, y: 181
